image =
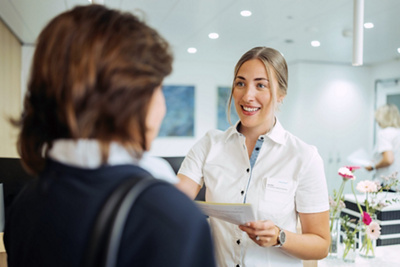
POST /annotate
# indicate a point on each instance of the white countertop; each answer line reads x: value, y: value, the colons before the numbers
x: 385, y: 256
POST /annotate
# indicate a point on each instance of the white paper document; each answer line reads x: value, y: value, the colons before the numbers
x: 236, y: 213
x: 360, y: 157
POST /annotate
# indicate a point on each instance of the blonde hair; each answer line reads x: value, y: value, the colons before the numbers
x: 388, y: 116
x: 275, y: 65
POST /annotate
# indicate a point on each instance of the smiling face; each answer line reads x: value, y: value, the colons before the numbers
x: 254, y: 101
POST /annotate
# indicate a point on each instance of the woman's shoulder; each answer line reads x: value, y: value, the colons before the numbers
x: 301, y: 145
x: 389, y: 133
x: 216, y: 135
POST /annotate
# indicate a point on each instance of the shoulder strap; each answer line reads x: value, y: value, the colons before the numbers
x: 105, y: 238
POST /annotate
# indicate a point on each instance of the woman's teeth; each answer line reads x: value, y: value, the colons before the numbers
x: 250, y: 109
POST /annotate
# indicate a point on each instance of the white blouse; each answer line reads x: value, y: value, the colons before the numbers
x: 287, y: 177
x: 388, y: 139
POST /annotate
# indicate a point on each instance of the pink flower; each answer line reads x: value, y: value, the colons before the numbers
x: 352, y: 168
x: 346, y: 173
x: 367, y: 187
x: 373, y: 230
x: 366, y: 218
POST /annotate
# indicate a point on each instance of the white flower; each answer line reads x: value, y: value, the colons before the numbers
x: 373, y: 230
x: 367, y: 187
x: 346, y: 173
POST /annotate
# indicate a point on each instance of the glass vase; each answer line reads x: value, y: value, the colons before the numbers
x: 349, y: 251
x: 334, y: 226
x: 367, y: 246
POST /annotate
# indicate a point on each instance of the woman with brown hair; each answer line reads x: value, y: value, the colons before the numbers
x: 93, y: 107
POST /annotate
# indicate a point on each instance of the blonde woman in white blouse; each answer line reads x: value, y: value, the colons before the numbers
x: 257, y: 161
x: 386, y: 156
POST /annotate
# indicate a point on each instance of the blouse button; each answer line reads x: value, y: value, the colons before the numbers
x: 248, y: 170
x: 257, y: 148
x: 242, y: 192
x: 237, y: 265
x: 238, y: 241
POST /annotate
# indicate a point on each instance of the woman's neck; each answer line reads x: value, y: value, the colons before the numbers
x: 254, y: 132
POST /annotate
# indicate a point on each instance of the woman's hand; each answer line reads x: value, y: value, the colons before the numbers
x: 264, y: 233
x: 369, y: 168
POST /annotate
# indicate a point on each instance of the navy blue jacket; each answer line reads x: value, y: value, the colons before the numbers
x: 49, y: 223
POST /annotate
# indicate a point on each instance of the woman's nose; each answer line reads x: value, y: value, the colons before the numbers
x: 249, y: 94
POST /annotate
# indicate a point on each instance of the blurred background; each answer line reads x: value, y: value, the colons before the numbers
x: 330, y: 103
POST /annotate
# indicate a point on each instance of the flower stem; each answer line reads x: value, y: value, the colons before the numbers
x: 338, y: 197
x: 355, y: 196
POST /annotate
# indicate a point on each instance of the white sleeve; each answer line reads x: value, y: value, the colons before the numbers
x: 312, y: 191
x: 159, y: 168
x: 384, y: 142
x: 192, y: 165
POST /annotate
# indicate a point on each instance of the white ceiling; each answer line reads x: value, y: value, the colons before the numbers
x: 187, y: 23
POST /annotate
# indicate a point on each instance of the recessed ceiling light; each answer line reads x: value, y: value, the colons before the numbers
x: 213, y: 35
x: 192, y: 50
x: 398, y: 50
x: 368, y: 25
x: 315, y: 43
x: 245, y: 13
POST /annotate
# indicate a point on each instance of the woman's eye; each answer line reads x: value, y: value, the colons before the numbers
x: 240, y: 84
x: 261, y: 86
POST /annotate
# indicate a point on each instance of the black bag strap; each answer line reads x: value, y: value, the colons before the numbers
x: 103, y: 245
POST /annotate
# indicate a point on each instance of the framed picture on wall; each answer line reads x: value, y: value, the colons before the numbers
x: 179, y: 119
x: 223, y: 97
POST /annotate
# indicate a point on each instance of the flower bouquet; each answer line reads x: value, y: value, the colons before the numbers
x: 369, y: 228
x: 336, y: 205
x: 369, y: 233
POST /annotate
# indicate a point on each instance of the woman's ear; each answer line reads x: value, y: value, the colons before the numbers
x: 280, y: 99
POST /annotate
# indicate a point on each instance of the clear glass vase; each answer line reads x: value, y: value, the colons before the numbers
x: 349, y: 251
x: 334, y: 225
x: 367, y: 246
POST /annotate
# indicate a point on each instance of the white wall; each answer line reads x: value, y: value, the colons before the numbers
x: 388, y: 70
x: 329, y: 106
x: 26, y: 57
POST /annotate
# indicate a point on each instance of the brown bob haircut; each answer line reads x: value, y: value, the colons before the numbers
x: 93, y: 74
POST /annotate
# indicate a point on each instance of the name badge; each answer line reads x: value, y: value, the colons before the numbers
x: 277, y: 185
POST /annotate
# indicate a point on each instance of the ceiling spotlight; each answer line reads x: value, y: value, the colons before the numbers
x: 192, y: 50
x: 368, y: 25
x: 315, y: 43
x: 213, y: 35
x: 398, y: 50
x: 245, y: 13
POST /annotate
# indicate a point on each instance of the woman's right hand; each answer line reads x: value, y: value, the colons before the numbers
x: 369, y: 168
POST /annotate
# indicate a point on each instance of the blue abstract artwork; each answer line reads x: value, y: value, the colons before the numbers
x: 179, y: 119
x: 223, y: 97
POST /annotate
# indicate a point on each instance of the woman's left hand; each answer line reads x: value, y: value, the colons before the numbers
x: 264, y: 233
